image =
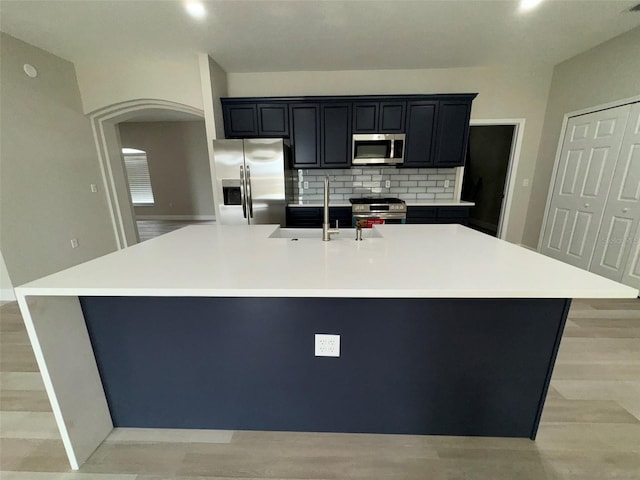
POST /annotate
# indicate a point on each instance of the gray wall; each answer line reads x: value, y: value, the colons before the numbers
x: 48, y: 160
x: 608, y: 72
x: 178, y: 165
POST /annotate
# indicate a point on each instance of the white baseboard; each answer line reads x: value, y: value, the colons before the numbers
x: 177, y: 217
x: 533, y: 249
x: 7, y: 295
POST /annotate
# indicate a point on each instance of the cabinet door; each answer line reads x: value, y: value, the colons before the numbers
x: 453, y: 215
x: 615, y: 240
x: 421, y: 215
x: 392, y: 117
x: 335, y: 132
x: 379, y: 117
x: 421, y: 116
x: 452, y: 133
x: 365, y: 117
x: 273, y: 120
x: 304, y: 217
x: 588, y: 157
x: 305, y: 134
x: 240, y: 121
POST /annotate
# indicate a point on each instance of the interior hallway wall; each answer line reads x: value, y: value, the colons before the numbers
x: 502, y: 93
x: 6, y: 287
x: 178, y: 161
x: 48, y: 161
x: 213, y: 81
x: 606, y: 73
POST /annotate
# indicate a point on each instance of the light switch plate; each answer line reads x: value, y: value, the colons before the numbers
x: 327, y: 345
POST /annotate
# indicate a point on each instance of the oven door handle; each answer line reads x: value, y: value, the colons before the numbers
x: 390, y: 216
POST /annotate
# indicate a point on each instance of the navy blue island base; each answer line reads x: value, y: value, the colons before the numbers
x: 449, y: 366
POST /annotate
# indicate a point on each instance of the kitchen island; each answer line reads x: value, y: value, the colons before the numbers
x: 443, y: 330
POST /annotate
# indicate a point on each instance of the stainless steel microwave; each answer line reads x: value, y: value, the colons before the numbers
x: 378, y: 149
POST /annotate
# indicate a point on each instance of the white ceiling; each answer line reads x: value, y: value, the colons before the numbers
x: 255, y: 36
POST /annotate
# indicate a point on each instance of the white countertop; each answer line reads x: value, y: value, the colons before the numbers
x: 410, y: 203
x: 408, y: 261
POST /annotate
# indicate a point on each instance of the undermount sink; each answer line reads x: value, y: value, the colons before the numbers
x: 316, y: 234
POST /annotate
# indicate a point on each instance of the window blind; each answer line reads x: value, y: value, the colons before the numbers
x: 139, y: 179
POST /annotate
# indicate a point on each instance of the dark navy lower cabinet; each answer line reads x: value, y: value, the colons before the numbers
x: 312, y: 217
x: 421, y: 215
x: 425, y: 215
x: 453, y: 215
x: 335, y: 135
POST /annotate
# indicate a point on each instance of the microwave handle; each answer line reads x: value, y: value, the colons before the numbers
x: 393, y: 143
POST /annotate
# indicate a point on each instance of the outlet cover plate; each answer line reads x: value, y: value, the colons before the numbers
x: 327, y: 345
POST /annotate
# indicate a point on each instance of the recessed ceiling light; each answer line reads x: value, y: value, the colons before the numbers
x: 526, y: 5
x: 196, y: 9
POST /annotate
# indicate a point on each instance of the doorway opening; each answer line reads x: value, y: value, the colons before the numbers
x: 488, y: 174
x: 191, y: 203
x: 167, y: 171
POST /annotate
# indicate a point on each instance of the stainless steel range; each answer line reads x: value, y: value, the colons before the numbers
x: 378, y: 210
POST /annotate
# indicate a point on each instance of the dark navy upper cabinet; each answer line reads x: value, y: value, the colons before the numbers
x: 392, y: 117
x: 321, y: 127
x: 365, y: 117
x: 335, y: 135
x: 273, y: 120
x: 305, y: 134
x: 437, y: 131
x: 240, y: 120
x: 247, y: 120
x: 452, y: 133
x: 378, y: 117
x: 421, y: 130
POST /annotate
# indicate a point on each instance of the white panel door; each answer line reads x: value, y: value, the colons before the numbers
x: 588, y: 157
x: 622, y: 212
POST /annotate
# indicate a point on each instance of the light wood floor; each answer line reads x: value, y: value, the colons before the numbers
x: 590, y: 428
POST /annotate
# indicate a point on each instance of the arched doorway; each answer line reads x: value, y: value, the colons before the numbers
x: 106, y: 135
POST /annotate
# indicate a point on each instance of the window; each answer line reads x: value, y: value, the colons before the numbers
x: 135, y: 162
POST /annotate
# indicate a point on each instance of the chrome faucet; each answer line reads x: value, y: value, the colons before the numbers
x: 327, y: 231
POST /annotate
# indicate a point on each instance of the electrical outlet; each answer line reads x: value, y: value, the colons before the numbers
x: 327, y: 345
x: 525, y: 182
x: 446, y: 184
x: 74, y: 243
x: 94, y: 188
x: 306, y: 184
x: 387, y: 183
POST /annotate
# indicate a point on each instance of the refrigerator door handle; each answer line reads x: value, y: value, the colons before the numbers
x: 243, y: 197
x: 249, y: 199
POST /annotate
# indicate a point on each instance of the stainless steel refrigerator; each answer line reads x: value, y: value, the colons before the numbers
x: 250, y: 180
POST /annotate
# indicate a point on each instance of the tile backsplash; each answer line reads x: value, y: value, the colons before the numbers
x: 405, y: 183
